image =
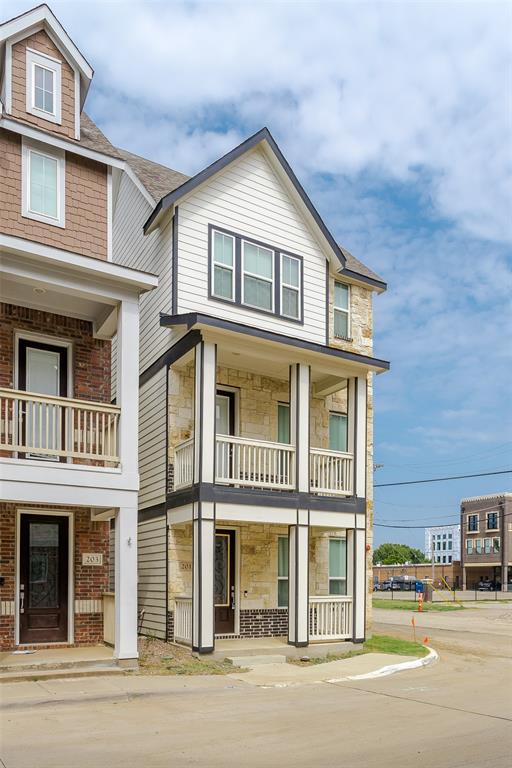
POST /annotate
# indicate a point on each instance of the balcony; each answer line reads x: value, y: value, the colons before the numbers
x: 52, y: 428
x: 249, y: 463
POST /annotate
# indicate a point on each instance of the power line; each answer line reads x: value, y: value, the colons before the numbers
x: 442, y: 479
x: 464, y: 525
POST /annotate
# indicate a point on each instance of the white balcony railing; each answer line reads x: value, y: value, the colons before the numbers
x: 44, y: 426
x: 330, y: 618
x: 184, y: 464
x: 331, y: 472
x: 254, y: 463
x: 183, y: 620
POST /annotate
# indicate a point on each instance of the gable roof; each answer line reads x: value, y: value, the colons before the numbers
x: 42, y: 16
x: 261, y: 137
x: 158, y: 179
x: 355, y: 268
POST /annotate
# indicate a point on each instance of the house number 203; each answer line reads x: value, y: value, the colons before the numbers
x: 92, y: 558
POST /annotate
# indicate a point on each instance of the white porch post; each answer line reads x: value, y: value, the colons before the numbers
x: 203, y: 610
x: 298, y: 581
x: 127, y: 390
x: 300, y: 377
x: 356, y: 580
x: 357, y: 405
x: 126, y: 583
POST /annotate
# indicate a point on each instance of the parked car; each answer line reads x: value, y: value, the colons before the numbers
x: 385, y: 586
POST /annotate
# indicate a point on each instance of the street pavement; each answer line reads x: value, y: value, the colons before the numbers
x: 457, y: 712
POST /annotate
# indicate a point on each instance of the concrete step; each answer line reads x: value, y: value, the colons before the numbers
x: 256, y: 661
x: 24, y: 665
x: 26, y: 675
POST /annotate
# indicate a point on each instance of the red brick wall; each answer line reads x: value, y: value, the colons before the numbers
x: 90, y: 581
x: 90, y: 357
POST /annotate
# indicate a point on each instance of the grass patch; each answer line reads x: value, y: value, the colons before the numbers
x: 376, y: 644
x: 411, y: 605
x: 159, y: 658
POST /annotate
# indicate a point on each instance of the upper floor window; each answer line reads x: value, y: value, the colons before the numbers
x: 492, y: 521
x: 469, y: 546
x: 472, y: 523
x: 43, y: 183
x: 337, y: 567
x: 341, y: 311
x: 487, y: 546
x: 496, y: 546
x: 43, y: 85
x: 255, y: 275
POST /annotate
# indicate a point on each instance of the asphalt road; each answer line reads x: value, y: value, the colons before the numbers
x: 457, y: 712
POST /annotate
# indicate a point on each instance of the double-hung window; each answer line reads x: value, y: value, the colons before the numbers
x: 282, y: 572
x: 290, y: 286
x: 341, y: 311
x: 43, y: 83
x: 43, y: 183
x: 487, y: 546
x: 223, y: 266
x: 469, y: 546
x: 472, y: 523
x: 478, y: 546
x: 337, y: 566
x: 338, y: 432
x: 492, y: 521
x: 257, y: 277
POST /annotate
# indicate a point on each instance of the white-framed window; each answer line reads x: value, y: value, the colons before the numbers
x: 341, y: 311
x: 492, y: 521
x: 478, y: 546
x: 223, y: 266
x: 496, y: 545
x: 291, y: 287
x: 43, y: 83
x: 469, y: 546
x: 487, y: 546
x: 257, y: 276
x: 43, y: 183
x: 337, y: 566
x: 282, y: 572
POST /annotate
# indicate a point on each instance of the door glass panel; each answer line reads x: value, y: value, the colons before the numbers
x: 42, y: 419
x: 337, y: 432
x: 222, y: 415
x: 43, y: 371
x: 283, y: 423
x: 221, y: 574
x: 43, y: 587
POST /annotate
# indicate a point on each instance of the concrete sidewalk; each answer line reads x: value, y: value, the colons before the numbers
x: 126, y: 687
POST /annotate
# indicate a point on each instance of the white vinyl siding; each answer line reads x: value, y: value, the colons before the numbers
x: 152, y: 441
x: 248, y: 198
x: 152, y: 571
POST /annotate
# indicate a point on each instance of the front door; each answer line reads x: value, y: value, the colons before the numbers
x: 43, y: 598
x: 42, y: 369
x: 224, y: 582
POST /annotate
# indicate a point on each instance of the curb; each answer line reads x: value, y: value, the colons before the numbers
x: 392, y: 669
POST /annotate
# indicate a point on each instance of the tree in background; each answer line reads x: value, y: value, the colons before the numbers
x: 398, y: 554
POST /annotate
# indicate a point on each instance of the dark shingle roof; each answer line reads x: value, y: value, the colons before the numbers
x: 158, y: 179
x: 92, y: 138
x: 354, y: 265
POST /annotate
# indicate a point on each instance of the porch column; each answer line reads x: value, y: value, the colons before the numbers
x: 125, y: 560
x: 203, y: 624
x: 203, y: 620
x: 127, y: 389
x: 505, y: 547
x: 357, y: 405
x: 356, y: 580
x: 300, y: 377
x: 298, y: 581
x: 204, y: 412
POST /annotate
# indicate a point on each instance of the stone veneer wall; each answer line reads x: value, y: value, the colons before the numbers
x: 361, y: 320
x: 89, y: 581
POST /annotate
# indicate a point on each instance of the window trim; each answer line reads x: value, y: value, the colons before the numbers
x: 223, y: 266
x: 497, y: 526
x: 29, y: 147
x: 283, y: 285
x: 347, y: 311
x: 37, y: 58
x: 469, y: 546
x: 272, y: 281
x: 477, y: 529
x: 238, y: 275
x: 488, y: 546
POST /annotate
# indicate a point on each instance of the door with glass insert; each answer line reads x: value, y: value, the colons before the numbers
x: 224, y: 425
x: 224, y: 582
x: 42, y: 371
x: 43, y: 584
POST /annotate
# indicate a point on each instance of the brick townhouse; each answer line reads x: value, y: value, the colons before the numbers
x: 486, y: 551
x: 68, y: 394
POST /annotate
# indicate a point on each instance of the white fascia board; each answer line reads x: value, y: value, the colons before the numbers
x: 88, y: 266
x: 42, y: 14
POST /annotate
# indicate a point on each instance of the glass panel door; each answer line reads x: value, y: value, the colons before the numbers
x: 337, y: 432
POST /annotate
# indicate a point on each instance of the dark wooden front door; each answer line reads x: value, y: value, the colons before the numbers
x: 224, y: 582
x: 43, y: 602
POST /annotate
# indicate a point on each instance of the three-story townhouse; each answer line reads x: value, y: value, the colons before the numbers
x: 68, y: 440
x: 255, y: 509
x: 486, y: 542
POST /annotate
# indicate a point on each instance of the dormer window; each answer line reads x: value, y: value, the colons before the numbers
x: 43, y: 86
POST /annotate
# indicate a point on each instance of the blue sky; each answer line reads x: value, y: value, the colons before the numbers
x: 397, y: 119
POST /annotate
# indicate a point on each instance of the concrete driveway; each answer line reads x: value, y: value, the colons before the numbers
x: 455, y: 713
